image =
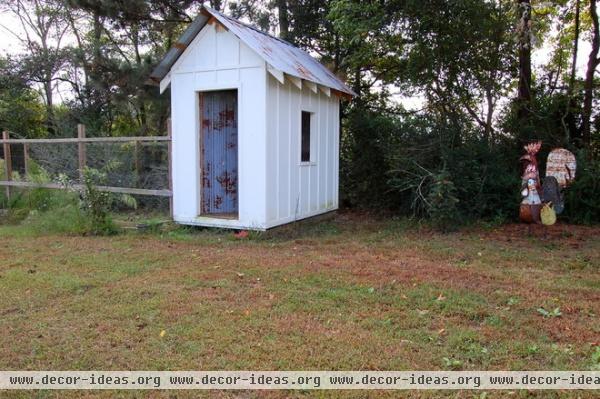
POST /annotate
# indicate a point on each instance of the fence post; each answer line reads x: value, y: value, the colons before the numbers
x: 81, y: 149
x: 7, y: 162
x: 170, y: 164
x: 136, y: 159
x: 26, y: 159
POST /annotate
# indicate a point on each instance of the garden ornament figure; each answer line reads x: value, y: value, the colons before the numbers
x: 560, y: 172
x: 531, y: 204
x: 541, y: 203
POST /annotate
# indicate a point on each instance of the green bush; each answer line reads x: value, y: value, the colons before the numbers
x: 396, y: 163
x: 364, y: 162
x: 81, y: 211
x: 443, y: 203
x: 582, y: 197
x: 43, y: 211
x: 38, y: 199
x: 97, y: 204
x: 487, y: 179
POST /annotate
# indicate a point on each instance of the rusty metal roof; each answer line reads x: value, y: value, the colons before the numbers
x: 278, y: 53
x: 178, y: 48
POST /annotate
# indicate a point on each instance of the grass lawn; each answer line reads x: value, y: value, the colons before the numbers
x: 353, y: 293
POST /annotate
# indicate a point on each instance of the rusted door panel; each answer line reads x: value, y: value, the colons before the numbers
x: 219, y: 151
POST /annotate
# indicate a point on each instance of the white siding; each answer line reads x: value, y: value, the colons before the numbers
x: 296, y: 190
x: 217, y: 60
x: 273, y: 186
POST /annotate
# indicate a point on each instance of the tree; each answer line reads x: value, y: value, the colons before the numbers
x: 413, y: 46
x: 216, y: 4
x: 592, y: 65
x: 569, y: 130
x: 44, y: 28
x: 117, y: 46
x: 524, y: 35
x: 575, y: 49
x: 284, y: 25
x: 21, y: 111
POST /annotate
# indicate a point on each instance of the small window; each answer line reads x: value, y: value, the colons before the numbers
x: 305, y: 147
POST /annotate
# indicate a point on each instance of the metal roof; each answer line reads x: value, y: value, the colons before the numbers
x: 278, y: 53
x: 178, y: 48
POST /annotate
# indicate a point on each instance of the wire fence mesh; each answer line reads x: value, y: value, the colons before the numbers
x: 134, y: 164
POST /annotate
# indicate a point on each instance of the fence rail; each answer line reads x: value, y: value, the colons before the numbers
x: 122, y: 190
x: 76, y: 140
x: 81, y: 140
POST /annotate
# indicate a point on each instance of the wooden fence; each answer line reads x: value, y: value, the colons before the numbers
x: 81, y: 141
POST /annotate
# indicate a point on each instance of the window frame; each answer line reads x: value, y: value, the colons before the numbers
x: 311, y: 138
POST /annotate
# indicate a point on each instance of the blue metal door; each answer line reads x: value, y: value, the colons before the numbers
x: 219, y: 153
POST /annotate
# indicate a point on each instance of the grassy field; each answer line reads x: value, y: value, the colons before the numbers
x: 353, y: 293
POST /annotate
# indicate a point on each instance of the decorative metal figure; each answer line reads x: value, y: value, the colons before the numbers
x: 531, y: 204
x: 541, y: 204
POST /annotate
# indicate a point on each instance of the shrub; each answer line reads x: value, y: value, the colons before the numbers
x: 82, y: 211
x: 396, y: 163
x: 36, y: 200
x: 97, y: 204
x: 442, y: 202
x: 582, y: 197
x: 364, y: 160
x: 487, y: 179
x: 43, y: 211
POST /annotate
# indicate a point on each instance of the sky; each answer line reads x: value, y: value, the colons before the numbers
x: 10, y: 45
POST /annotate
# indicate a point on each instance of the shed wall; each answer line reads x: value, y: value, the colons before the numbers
x: 297, y: 190
x: 217, y: 60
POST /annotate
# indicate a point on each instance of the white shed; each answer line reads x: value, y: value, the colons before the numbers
x: 255, y: 127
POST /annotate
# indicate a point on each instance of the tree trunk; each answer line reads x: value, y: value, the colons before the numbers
x: 593, y: 62
x: 575, y: 49
x: 524, y: 34
x: 47, y: 84
x: 84, y: 63
x: 135, y: 39
x: 49, y: 106
x: 284, y: 23
x: 96, y: 41
x: 570, y: 128
x: 337, y: 57
x: 357, y: 82
x: 490, y: 115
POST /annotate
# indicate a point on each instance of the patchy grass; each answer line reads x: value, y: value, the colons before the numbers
x: 352, y: 293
